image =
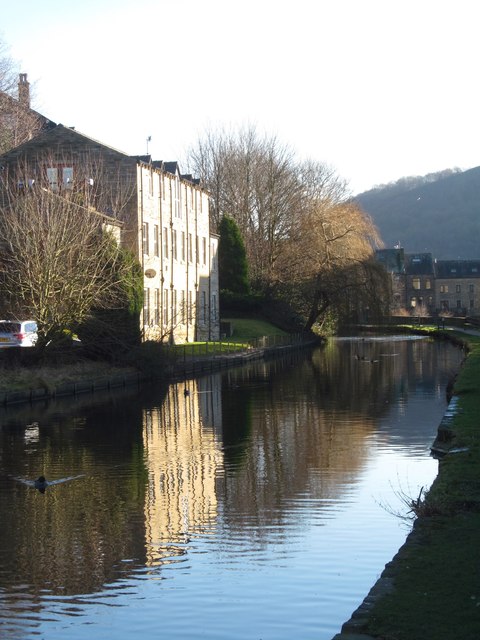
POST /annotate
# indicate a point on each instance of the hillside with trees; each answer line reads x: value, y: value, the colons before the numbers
x: 438, y: 213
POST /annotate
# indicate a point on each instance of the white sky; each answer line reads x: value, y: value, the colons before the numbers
x: 379, y: 89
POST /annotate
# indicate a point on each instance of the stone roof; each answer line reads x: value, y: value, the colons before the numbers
x: 419, y: 264
x: 457, y: 268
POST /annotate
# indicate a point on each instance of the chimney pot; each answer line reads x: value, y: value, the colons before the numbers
x: 24, y: 90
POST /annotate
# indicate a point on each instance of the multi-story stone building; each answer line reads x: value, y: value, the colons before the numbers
x: 457, y: 286
x: 419, y: 283
x: 422, y: 285
x: 164, y: 216
x: 393, y: 261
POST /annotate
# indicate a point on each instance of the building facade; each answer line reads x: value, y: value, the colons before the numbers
x: 178, y: 255
x: 457, y: 286
x: 422, y: 285
x: 164, y: 218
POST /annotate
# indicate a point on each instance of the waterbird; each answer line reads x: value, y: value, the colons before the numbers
x: 41, y: 484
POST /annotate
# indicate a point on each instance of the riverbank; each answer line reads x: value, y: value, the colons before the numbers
x: 431, y: 589
x: 19, y: 384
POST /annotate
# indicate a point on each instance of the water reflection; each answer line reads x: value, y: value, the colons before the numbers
x: 183, y: 458
x: 200, y: 483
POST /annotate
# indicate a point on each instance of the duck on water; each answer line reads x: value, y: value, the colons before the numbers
x: 41, y: 483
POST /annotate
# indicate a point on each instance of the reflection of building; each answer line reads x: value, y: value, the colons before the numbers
x: 183, y: 458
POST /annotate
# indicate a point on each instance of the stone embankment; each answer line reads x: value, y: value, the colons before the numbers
x: 186, y: 367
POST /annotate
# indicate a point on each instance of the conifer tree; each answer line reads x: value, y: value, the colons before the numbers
x: 232, y: 258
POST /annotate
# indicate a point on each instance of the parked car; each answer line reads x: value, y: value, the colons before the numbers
x: 18, y: 334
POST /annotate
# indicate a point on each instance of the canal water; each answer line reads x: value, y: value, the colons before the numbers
x: 260, y: 502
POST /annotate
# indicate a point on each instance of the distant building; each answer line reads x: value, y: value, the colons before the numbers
x: 393, y: 261
x: 419, y: 283
x: 164, y: 219
x: 422, y: 285
x: 457, y: 286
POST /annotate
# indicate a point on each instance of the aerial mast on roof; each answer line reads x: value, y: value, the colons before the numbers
x: 148, y: 140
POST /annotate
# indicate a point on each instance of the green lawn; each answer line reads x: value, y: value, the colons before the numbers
x: 247, y: 328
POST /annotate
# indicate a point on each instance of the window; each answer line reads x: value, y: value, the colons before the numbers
x: 458, y: 288
x: 190, y: 248
x: 176, y: 195
x: 183, y: 246
x: 214, y: 306
x: 182, y: 307
x: 213, y: 258
x: 52, y: 177
x: 416, y: 283
x: 471, y: 288
x: 146, y: 307
x: 459, y: 304
x: 165, y: 306
x: 444, y: 288
x: 174, y: 306
x: 165, y: 243
x: 156, y: 306
x: 472, y: 304
x: 174, y: 244
x: 197, y: 252
x: 145, y: 238
x: 55, y: 174
x: 67, y: 177
x: 428, y: 283
x: 413, y: 302
x: 190, y: 307
x: 155, y: 241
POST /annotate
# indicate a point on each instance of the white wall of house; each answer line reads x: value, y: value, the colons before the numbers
x: 178, y: 257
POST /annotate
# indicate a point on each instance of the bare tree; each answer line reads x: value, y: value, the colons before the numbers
x: 254, y: 180
x: 58, y: 261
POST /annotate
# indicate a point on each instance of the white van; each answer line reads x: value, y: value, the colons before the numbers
x: 18, y: 334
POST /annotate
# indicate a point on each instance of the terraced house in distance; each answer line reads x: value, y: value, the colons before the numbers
x: 163, y: 216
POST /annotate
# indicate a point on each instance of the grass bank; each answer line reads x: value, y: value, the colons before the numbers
x: 435, y: 577
x: 149, y: 358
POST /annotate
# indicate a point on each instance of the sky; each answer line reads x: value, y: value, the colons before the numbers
x: 376, y: 89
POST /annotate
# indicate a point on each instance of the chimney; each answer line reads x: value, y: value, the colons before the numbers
x: 24, y: 91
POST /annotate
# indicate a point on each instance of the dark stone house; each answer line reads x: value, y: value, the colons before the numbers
x: 422, y: 285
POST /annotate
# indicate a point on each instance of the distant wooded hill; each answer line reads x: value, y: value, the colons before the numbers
x: 438, y: 213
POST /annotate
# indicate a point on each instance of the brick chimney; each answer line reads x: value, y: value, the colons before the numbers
x: 24, y: 90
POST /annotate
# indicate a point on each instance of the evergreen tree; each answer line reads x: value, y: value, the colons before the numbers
x: 232, y: 258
